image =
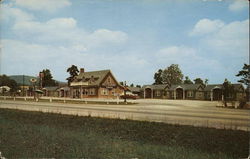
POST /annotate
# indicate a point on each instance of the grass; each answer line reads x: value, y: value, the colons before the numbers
x: 26, y: 134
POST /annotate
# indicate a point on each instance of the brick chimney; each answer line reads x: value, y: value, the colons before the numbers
x: 81, y: 70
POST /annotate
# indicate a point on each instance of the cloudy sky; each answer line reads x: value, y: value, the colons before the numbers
x: 133, y: 38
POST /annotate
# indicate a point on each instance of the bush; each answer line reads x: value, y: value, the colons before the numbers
x: 242, y: 102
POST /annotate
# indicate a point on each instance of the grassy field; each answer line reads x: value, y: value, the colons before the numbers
x: 44, y: 135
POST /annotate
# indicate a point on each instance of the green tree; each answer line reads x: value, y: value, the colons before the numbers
x: 244, y: 74
x: 172, y: 75
x: 158, y: 77
x: 73, y: 71
x: 206, y: 81
x: 47, y: 79
x: 187, y: 80
x: 6, y: 81
x: 132, y: 85
x: 227, y: 91
x: 198, y: 81
x: 139, y: 86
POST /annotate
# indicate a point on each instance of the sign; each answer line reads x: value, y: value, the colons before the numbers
x: 33, y: 80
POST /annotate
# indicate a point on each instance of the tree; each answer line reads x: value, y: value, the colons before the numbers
x: 73, y: 71
x: 172, y: 75
x: 132, y: 85
x: 198, y: 81
x: 206, y: 81
x: 158, y: 77
x: 122, y: 83
x: 6, y: 81
x: 227, y: 91
x: 187, y: 80
x: 47, y: 79
x: 138, y: 86
x: 244, y: 74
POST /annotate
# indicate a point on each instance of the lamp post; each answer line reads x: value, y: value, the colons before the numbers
x: 125, y: 90
x: 33, y: 81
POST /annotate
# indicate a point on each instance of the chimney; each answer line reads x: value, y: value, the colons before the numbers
x: 81, y: 70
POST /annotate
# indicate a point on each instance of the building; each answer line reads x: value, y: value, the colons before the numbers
x: 135, y: 90
x: 190, y: 91
x: 95, y: 84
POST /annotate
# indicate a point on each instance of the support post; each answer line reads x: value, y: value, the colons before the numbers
x: 211, y: 95
x: 152, y: 93
x: 144, y: 93
x: 174, y: 94
x: 183, y: 94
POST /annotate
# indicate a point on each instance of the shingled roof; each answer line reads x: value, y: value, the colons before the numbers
x: 94, y: 78
x: 186, y: 86
x: 155, y: 87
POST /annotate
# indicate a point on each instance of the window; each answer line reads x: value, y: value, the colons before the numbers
x: 109, y: 80
x: 158, y: 93
x: 190, y: 93
x: 104, y: 91
x: 92, y: 91
x: 85, y: 91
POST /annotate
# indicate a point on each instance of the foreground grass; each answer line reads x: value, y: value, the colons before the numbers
x: 44, y: 135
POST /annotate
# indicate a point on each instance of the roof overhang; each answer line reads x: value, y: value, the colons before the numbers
x: 79, y: 83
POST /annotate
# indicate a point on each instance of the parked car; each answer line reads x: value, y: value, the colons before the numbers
x: 129, y: 95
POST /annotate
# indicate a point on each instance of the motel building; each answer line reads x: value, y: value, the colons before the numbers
x: 211, y: 92
x: 95, y: 84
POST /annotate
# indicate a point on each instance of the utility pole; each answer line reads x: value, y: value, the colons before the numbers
x: 23, y: 86
x: 125, y: 90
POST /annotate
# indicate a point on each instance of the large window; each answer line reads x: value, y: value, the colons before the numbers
x: 92, y: 91
x: 190, y: 94
x: 158, y: 93
x: 104, y: 91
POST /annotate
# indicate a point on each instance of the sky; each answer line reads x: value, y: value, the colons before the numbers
x: 208, y: 39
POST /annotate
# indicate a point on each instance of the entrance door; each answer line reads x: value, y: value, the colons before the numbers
x: 179, y: 93
x: 217, y: 94
x: 148, y: 93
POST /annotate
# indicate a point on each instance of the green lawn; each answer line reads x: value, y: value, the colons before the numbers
x: 44, y: 135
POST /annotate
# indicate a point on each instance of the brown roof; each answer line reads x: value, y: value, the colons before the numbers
x: 94, y: 78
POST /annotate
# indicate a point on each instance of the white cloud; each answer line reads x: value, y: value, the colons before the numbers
x: 176, y: 51
x: 8, y: 12
x: 232, y: 39
x: 189, y: 59
x: 43, y: 5
x: 65, y: 30
x: 228, y: 39
x: 206, y: 26
x: 238, y: 5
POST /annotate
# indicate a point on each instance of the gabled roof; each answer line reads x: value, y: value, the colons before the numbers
x: 238, y: 86
x: 209, y: 87
x: 159, y: 86
x: 94, y: 78
x: 64, y: 88
x: 52, y: 88
x: 134, y: 89
x: 186, y: 86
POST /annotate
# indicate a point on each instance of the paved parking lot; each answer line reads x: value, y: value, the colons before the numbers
x: 184, y: 112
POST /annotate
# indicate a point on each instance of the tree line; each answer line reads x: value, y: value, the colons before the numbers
x: 173, y: 75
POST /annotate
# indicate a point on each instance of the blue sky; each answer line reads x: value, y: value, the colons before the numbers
x: 207, y: 38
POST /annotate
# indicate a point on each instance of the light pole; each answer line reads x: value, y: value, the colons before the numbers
x: 125, y: 90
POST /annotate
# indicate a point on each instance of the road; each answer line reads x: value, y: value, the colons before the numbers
x: 183, y: 112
